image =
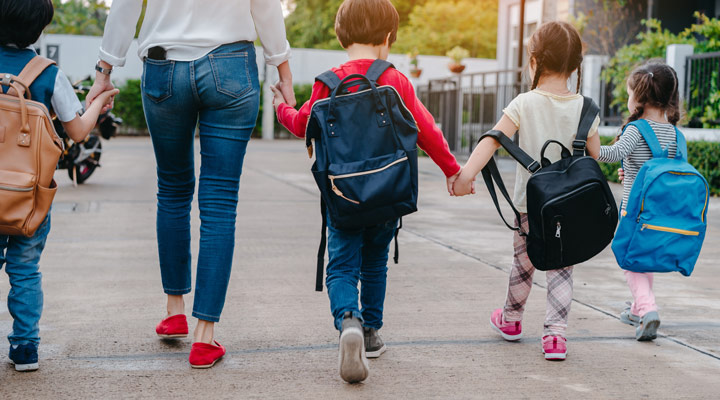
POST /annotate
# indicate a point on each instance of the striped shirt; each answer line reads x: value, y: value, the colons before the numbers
x: 634, y: 151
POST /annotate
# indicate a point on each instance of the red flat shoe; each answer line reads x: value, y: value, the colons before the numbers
x: 174, y: 327
x: 203, y: 355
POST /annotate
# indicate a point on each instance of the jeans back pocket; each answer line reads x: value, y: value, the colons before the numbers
x: 157, y: 79
x: 230, y: 71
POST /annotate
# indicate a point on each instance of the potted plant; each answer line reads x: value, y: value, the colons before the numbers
x: 415, y: 72
x: 457, y: 54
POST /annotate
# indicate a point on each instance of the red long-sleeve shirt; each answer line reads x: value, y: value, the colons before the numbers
x: 430, y: 138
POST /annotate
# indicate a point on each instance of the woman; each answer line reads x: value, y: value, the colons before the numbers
x: 199, y: 71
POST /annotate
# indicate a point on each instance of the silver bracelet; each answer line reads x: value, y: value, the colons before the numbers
x: 104, y: 71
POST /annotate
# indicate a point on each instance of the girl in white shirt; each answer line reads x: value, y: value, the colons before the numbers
x: 548, y: 111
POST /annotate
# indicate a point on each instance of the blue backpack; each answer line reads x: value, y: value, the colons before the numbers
x: 664, y: 227
x: 365, y: 154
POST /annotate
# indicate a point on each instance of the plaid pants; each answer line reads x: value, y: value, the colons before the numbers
x: 559, y: 288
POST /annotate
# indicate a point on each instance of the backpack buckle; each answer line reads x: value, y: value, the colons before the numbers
x: 534, y: 167
x: 579, y: 145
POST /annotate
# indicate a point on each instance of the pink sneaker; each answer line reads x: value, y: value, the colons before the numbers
x: 510, y: 331
x: 554, y: 347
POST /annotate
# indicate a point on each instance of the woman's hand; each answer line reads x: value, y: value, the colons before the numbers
x: 102, y: 84
x: 285, y: 84
x: 621, y: 174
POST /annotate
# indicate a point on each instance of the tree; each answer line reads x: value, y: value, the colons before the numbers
x: 606, y: 25
x: 431, y: 26
x: 312, y: 24
x: 439, y: 25
x: 79, y: 17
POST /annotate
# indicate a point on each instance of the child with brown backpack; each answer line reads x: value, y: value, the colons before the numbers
x: 32, y: 87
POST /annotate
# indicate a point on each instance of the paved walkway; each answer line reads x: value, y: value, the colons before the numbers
x: 103, y: 298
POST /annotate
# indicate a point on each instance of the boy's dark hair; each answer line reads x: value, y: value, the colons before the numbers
x: 556, y: 47
x: 656, y: 84
x: 22, y: 21
x: 366, y: 22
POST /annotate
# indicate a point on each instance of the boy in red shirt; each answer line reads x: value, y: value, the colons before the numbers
x: 366, y: 29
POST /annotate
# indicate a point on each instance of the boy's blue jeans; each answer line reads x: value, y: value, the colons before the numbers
x: 20, y: 255
x: 358, y: 255
x: 219, y: 93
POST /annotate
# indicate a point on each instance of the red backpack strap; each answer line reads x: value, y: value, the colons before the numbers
x: 32, y: 70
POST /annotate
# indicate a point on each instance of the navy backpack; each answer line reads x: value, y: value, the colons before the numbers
x: 664, y: 227
x: 365, y: 154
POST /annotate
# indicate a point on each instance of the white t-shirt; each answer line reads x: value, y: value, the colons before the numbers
x: 190, y: 29
x: 541, y: 116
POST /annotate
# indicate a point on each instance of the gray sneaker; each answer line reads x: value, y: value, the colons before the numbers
x: 647, y: 330
x: 627, y: 317
x: 352, y: 361
x: 374, y: 345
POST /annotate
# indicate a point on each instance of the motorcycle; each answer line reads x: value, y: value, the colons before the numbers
x: 81, y: 159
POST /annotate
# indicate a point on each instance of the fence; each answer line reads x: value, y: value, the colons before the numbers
x: 701, y: 71
x: 467, y: 105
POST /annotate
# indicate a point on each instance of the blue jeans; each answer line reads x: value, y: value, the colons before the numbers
x: 219, y: 93
x: 21, y: 256
x: 362, y: 255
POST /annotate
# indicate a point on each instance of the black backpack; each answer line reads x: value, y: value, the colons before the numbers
x: 571, y: 211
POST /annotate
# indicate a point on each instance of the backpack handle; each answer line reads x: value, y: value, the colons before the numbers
x: 383, y: 119
x: 20, y: 89
x: 565, y: 152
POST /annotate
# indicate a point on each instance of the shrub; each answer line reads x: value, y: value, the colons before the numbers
x: 705, y: 38
x: 302, y: 95
x: 128, y: 105
x: 704, y: 156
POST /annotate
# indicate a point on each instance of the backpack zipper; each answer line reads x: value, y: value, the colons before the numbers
x: 671, y: 230
x: 14, y: 189
x: 707, y: 194
x: 355, y: 174
x: 327, y: 99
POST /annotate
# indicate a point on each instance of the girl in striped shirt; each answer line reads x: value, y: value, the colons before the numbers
x: 652, y: 96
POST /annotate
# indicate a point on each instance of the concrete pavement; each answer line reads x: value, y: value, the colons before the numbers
x: 103, y: 298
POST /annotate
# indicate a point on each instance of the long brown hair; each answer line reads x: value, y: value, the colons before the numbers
x: 655, y: 84
x: 557, y: 48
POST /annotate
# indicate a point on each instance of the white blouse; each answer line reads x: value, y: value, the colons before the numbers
x: 190, y: 29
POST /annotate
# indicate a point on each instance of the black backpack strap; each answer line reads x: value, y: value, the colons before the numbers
x: 320, y: 272
x: 515, y: 151
x: 397, y: 247
x: 490, y: 173
x: 329, y: 79
x: 590, y: 110
x: 377, y: 68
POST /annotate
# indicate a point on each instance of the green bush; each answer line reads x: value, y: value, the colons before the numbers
x: 705, y: 38
x: 704, y: 156
x: 609, y: 169
x: 128, y: 105
x: 302, y: 95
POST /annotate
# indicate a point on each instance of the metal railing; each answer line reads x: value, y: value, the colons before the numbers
x: 701, y: 71
x: 465, y: 106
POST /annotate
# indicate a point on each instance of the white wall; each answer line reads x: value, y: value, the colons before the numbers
x: 78, y: 54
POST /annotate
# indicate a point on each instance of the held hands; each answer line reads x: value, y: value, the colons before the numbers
x: 450, y: 180
x: 278, y: 97
x: 463, y: 184
x: 101, y: 85
x: 106, y: 98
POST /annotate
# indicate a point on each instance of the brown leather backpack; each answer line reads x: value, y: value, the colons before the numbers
x: 29, y: 153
